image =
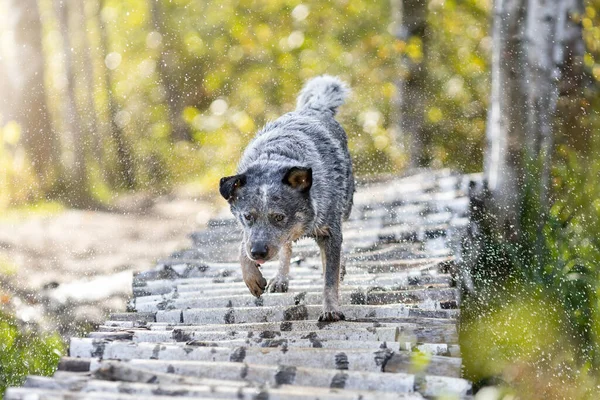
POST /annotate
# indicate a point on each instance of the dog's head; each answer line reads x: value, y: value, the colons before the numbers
x: 273, y: 207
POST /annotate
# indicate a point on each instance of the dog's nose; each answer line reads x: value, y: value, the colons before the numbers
x: 259, y: 251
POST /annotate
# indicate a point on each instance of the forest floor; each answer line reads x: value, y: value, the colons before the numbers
x: 66, y: 269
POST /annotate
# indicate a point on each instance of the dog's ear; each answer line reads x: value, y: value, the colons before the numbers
x: 230, y: 184
x: 299, y: 178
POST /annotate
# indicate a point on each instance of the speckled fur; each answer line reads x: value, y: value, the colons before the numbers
x: 310, y: 139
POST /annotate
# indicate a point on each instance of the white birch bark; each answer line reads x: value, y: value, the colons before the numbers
x: 294, y: 313
x: 422, y: 298
x: 273, y: 375
x: 506, y: 118
x: 370, y: 360
x: 221, y: 390
x: 533, y: 40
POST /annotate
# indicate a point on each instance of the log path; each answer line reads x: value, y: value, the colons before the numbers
x: 193, y: 330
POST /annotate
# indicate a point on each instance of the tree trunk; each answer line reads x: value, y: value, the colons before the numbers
x: 506, y: 117
x: 568, y: 56
x: 410, y: 20
x: 533, y: 42
x: 88, y: 107
x: 175, y: 104
x: 74, y: 137
x: 22, y: 91
x: 125, y: 161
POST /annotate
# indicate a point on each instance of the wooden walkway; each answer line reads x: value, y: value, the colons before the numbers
x: 194, y: 330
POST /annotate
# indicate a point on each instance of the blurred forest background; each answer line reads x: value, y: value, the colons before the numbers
x: 104, y: 97
x: 137, y: 94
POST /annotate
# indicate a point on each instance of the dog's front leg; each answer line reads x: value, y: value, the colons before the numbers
x: 280, y: 283
x: 331, y: 246
x: 251, y: 274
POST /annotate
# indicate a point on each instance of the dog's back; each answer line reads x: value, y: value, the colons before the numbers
x: 310, y: 137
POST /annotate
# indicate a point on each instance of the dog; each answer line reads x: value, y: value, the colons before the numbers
x: 295, y: 180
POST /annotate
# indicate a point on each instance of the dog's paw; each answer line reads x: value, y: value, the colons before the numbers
x: 331, y: 316
x: 279, y: 284
x: 256, y: 283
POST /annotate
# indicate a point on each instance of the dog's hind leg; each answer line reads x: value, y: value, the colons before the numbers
x: 331, y: 246
x: 280, y: 283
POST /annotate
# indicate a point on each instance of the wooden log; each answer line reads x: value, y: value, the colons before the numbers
x: 400, y: 332
x: 274, y: 375
x: 134, y: 317
x: 225, y: 275
x: 348, y: 359
x: 354, y: 359
x: 115, y: 371
x: 184, y: 268
x: 422, y: 298
x: 216, y: 389
x: 293, y: 313
x: 422, y: 323
x: 44, y: 394
x: 121, y: 324
x: 120, y: 371
x: 311, y: 342
x: 403, y: 280
x: 179, y: 335
x: 120, y: 335
x: 438, y: 349
x: 437, y: 280
x: 315, y: 279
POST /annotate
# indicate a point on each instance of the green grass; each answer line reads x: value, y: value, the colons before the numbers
x: 25, y: 351
x: 533, y: 324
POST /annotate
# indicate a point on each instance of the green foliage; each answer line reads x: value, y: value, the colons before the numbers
x: 189, y: 82
x: 25, y: 351
x: 239, y: 65
x: 517, y: 336
x: 534, y: 321
x: 458, y: 63
x: 17, y: 178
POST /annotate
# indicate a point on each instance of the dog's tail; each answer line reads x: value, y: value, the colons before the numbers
x: 323, y: 93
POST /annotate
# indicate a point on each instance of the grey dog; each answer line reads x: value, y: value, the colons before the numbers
x: 295, y: 180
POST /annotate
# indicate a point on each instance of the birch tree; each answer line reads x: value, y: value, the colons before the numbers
x: 410, y: 21
x: 74, y: 137
x: 175, y: 104
x: 23, y: 95
x: 124, y: 153
x: 534, y: 43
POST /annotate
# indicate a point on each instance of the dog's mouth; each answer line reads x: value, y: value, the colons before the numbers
x: 261, y: 261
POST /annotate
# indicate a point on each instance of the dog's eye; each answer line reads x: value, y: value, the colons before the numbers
x: 248, y: 217
x: 278, y: 217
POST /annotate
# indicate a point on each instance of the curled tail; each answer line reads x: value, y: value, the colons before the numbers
x: 323, y: 93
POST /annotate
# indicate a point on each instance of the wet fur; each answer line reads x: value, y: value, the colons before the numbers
x: 298, y: 167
